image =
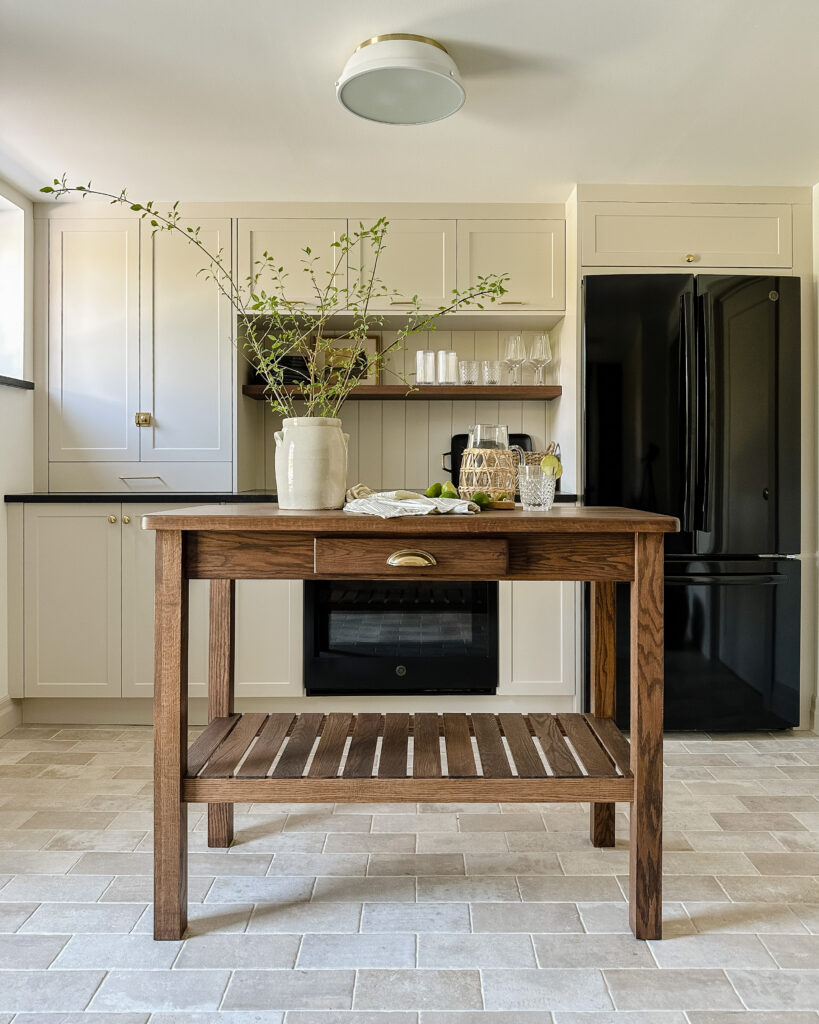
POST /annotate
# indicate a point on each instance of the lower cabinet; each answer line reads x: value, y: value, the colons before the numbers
x: 537, y: 633
x: 88, y: 591
x: 88, y: 582
x: 72, y: 600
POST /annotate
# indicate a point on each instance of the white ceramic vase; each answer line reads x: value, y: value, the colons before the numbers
x: 311, y: 463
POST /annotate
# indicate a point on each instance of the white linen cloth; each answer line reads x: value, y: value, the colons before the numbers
x: 392, y: 504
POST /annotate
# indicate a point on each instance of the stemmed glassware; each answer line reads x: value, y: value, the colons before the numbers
x: 515, y: 356
x: 540, y: 355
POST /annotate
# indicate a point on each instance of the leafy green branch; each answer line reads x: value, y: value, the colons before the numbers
x: 320, y: 342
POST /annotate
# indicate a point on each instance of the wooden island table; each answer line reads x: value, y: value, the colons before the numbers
x: 399, y: 757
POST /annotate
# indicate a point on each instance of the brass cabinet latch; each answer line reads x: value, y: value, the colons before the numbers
x: 143, y: 419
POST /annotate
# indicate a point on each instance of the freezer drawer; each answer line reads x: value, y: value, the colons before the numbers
x: 731, y: 645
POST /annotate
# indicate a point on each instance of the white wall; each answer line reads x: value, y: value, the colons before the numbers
x: 16, y: 447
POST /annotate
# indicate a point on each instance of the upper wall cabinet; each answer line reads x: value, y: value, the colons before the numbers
x: 531, y: 252
x: 186, y: 350
x: 285, y: 240
x: 418, y: 258
x: 686, y: 235
x: 129, y: 334
x: 93, y: 344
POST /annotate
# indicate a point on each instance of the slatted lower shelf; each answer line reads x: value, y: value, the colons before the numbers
x: 344, y: 757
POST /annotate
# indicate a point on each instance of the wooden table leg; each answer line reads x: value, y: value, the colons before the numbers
x: 646, y: 849
x: 220, y: 688
x: 170, y: 739
x: 603, y: 690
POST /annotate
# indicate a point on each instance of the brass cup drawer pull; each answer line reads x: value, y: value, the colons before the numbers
x: 411, y: 556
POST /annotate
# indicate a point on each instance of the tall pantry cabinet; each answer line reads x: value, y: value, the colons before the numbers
x: 139, y: 359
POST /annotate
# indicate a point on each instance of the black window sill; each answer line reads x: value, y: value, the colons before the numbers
x: 16, y: 382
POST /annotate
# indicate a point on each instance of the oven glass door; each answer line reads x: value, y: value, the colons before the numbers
x: 400, y: 637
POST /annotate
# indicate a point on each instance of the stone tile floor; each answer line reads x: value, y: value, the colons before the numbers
x: 396, y: 914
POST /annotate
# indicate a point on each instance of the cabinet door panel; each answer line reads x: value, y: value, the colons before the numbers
x: 688, y: 235
x: 285, y: 240
x: 269, y: 638
x: 138, y: 548
x: 186, y: 350
x: 72, y: 601
x: 538, y: 644
x: 532, y: 253
x: 93, y: 340
x: 418, y: 258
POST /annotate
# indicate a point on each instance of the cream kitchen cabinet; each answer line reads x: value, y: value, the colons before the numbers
x: 93, y: 340
x: 531, y: 252
x: 268, y: 624
x: 72, y: 624
x: 693, y: 235
x: 88, y: 597
x: 537, y: 639
x: 417, y: 259
x: 285, y: 239
x: 132, y: 332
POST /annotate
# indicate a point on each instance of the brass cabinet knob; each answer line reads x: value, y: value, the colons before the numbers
x: 126, y: 519
x: 112, y: 519
x: 690, y: 258
x: 411, y: 556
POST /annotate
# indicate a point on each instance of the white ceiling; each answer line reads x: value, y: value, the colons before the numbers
x: 234, y: 100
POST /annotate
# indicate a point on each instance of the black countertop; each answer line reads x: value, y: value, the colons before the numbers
x: 204, y: 498
x: 198, y: 498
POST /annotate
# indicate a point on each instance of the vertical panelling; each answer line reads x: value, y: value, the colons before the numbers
x: 440, y: 432
x: 369, y: 443
x: 393, y: 444
x: 349, y: 424
x: 416, y: 446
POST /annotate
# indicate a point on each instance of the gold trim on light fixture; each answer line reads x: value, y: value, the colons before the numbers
x: 404, y: 36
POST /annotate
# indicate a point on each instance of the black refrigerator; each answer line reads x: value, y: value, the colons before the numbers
x: 692, y: 408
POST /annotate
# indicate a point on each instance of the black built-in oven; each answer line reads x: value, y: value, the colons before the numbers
x: 396, y: 637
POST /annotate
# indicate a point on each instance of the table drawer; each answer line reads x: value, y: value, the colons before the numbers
x: 411, y: 557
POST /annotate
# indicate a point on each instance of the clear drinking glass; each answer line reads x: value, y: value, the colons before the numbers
x: 536, y: 488
x: 540, y: 355
x: 515, y: 356
x: 492, y: 371
x: 468, y: 371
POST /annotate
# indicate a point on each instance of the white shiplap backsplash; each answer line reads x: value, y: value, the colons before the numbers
x: 399, y: 444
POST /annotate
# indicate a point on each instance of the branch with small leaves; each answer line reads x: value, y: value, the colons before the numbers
x: 320, y: 343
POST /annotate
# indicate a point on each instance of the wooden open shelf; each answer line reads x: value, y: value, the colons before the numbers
x: 430, y: 392
x: 393, y: 757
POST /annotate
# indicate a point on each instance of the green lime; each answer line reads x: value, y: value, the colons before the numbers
x: 481, y: 498
x: 434, y: 490
x: 551, y: 464
x: 448, y: 491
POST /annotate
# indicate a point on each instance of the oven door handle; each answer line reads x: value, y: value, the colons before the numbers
x: 411, y: 556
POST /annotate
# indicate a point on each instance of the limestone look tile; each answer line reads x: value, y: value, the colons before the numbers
x: 408, y: 914
x: 421, y: 989
x: 290, y: 990
x: 356, y: 951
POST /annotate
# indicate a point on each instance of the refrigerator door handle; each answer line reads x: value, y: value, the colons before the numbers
x: 685, y: 404
x: 727, y: 579
x: 703, y: 484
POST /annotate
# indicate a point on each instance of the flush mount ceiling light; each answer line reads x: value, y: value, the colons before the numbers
x: 400, y: 79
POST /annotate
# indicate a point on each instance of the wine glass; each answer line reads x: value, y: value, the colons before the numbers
x: 515, y: 356
x: 540, y: 355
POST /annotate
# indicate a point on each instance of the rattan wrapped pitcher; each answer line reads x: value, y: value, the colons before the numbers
x: 491, y: 470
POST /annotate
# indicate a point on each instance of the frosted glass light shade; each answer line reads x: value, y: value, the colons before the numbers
x: 400, y: 79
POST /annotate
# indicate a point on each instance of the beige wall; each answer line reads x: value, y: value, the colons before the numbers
x: 16, y: 449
